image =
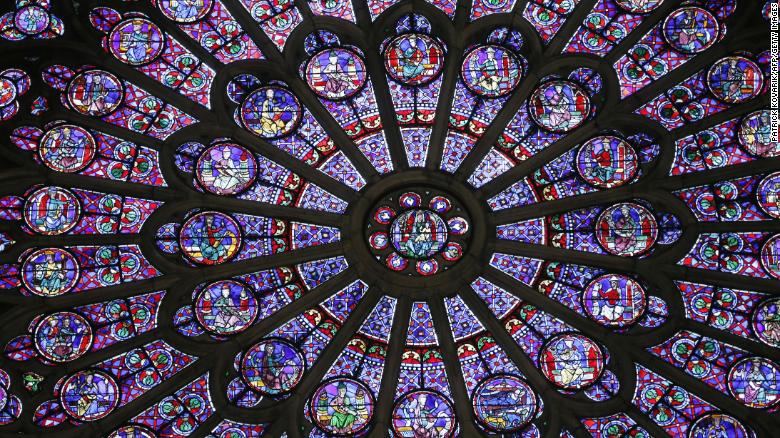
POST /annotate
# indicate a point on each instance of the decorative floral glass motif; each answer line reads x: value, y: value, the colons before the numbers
x: 438, y: 218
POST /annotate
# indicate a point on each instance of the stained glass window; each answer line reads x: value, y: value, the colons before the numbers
x: 364, y: 218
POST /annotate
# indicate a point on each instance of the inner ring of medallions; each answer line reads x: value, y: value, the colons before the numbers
x: 360, y: 225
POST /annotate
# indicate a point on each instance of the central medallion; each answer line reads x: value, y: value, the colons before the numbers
x: 418, y: 232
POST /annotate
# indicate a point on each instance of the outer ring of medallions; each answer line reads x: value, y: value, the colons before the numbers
x: 360, y: 257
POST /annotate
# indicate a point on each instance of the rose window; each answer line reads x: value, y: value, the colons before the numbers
x: 405, y: 218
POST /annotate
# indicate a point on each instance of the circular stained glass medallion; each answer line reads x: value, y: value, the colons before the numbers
x: 626, y: 229
x: 768, y: 194
x: 504, y: 403
x: 755, y: 135
x: 50, y: 272
x: 342, y: 406
x: 754, y: 381
x: 271, y: 112
x: 95, y: 93
x: 51, y: 210
x: 273, y: 366
x: 185, y: 11
x: 136, y: 41
x: 766, y: 322
x: 226, y: 307
x: 89, y: 395
x: 423, y: 412
x: 418, y: 234
x: 770, y: 256
x: 67, y: 148
x: 571, y: 361
x: 63, y: 336
x: 133, y: 431
x: 735, y: 79
x: 614, y: 300
x: 691, y: 29
x: 226, y: 169
x: 559, y: 106
x: 718, y: 424
x: 414, y: 59
x: 210, y: 238
x: 607, y: 161
x: 491, y: 71
x: 32, y: 19
x: 639, y: 6
x: 336, y: 73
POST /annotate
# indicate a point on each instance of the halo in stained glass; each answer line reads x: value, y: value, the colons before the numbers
x: 768, y: 194
x: 639, y: 6
x: 504, y: 403
x: 51, y: 210
x: 63, y: 336
x: 95, y: 93
x: 559, y: 106
x: 717, y: 423
x: 755, y: 135
x: 571, y: 361
x: 735, y: 79
x: 226, y: 169
x: 136, y: 41
x: 89, y: 395
x: 67, y: 148
x: 607, y: 161
x: 766, y: 322
x: 342, y: 406
x: 418, y: 234
x: 226, y: 307
x: 770, y: 256
x: 185, y: 11
x: 273, y: 366
x: 31, y: 19
x: 414, y: 59
x: 210, y: 238
x: 423, y: 412
x: 271, y: 112
x: 626, y: 229
x: 491, y: 71
x: 754, y: 382
x: 336, y: 73
x: 50, y: 272
x: 691, y: 29
x: 614, y: 300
